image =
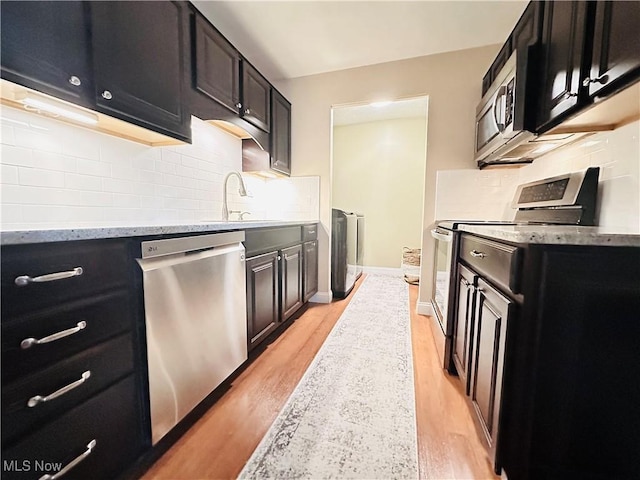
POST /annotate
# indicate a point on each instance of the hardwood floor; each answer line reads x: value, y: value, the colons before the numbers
x: 220, y: 443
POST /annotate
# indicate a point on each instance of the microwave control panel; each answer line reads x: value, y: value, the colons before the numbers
x: 509, y: 103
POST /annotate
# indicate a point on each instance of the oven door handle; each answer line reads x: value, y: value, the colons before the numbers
x: 443, y: 237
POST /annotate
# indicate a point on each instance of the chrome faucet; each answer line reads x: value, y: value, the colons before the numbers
x: 242, y: 191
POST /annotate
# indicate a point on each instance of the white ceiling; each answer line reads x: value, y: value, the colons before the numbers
x: 298, y: 38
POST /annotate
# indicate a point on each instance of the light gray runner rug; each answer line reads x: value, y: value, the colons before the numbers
x: 353, y: 413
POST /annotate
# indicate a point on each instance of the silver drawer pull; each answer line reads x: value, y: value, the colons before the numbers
x: 34, y: 401
x: 477, y: 254
x: 311, y: 232
x: 90, y: 446
x: 23, y: 280
x: 30, y: 342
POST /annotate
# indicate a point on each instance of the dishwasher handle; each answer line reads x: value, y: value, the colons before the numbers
x: 170, y: 246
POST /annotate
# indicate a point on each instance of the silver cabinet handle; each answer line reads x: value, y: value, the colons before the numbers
x: 107, y: 95
x: 238, y: 105
x: 311, y: 232
x: 247, y: 111
x: 75, y: 81
x: 90, y: 446
x: 30, y: 342
x: 38, y: 399
x: 279, y: 257
x: 477, y: 254
x: 602, y: 79
x: 23, y: 280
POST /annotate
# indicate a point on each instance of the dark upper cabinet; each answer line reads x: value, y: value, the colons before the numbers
x: 562, y: 65
x: 138, y: 68
x: 217, y: 65
x: 43, y: 52
x: 256, y: 98
x: 616, y: 46
x: 280, y: 133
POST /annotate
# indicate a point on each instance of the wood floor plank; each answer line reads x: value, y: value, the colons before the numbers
x: 220, y: 443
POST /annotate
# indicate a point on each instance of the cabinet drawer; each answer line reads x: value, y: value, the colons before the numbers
x: 104, y: 266
x: 497, y: 261
x: 23, y: 403
x: 309, y: 232
x: 263, y: 240
x: 111, y: 419
x: 103, y: 317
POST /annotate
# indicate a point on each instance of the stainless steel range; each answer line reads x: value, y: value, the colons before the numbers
x: 568, y: 199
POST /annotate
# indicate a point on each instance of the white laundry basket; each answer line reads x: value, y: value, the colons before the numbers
x: 411, y: 265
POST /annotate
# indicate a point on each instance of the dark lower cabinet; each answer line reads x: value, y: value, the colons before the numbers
x: 44, y: 47
x: 282, y: 274
x: 291, y: 281
x: 73, y: 394
x: 263, y: 291
x: 138, y: 65
x: 97, y: 439
x: 310, y: 269
x: 549, y: 373
x: 490, y: 321
x: 464, y: 324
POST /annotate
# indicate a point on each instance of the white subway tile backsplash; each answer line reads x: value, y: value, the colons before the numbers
x: 40, y: 178
x: 83, y: 182
x: 57, y: 175
x: 8, y: 174
x: 37, y: 140
x: 169, y: 156
x: 118, y: 186
x: 93, y: 167
x: 19, y: 156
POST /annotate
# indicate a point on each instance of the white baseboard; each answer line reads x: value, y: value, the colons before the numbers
x: 393, y: 272
x: 322, y: 297
x: 424, y: 308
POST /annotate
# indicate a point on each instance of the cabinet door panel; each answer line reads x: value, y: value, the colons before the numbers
x: 616, y: 45
x: 563, y: 39
x: 256, y: 98
x: 217, y: 65
x: 44, y: 45
x: 281, y: 134
x: 310, y: 269
x: 491, y: 316
x: 291, y: 280
x: 464, y: 325
x: 137, y: 48
x: 262, y: 297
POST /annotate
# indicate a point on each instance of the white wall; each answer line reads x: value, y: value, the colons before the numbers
x: 452, y: 81
x: 57, y: 175
x: 378, y: 170
x: 616, y: 152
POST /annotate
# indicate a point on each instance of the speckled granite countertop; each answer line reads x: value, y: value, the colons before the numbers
x: 15, y: 237
x: 558, y: 234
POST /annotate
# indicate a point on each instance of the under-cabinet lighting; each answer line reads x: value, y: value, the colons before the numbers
x: 55, y: 107
x: 545, y: 148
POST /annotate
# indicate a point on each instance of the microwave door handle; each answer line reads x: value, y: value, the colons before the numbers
x: 502, y: 93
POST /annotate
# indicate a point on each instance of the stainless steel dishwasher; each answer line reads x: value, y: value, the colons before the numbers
x: 195, y: 311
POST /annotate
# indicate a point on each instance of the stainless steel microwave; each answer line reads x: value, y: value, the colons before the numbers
x: 505, y: 119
